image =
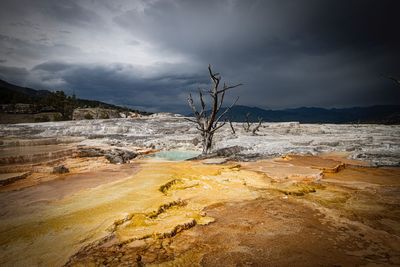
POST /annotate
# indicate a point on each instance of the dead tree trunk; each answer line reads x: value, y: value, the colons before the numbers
x: 247, y: 124
x: 207, y: 124
x: 254, y: 131
x: 232, y: 128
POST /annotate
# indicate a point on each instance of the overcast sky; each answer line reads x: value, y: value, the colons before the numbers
x: 151, y: 54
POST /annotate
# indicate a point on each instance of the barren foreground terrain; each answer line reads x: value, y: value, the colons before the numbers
x: 94, y: 193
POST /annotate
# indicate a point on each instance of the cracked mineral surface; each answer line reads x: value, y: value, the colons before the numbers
x: 292, y: 195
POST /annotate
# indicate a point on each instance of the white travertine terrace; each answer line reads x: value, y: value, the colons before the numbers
x: 377, y: 144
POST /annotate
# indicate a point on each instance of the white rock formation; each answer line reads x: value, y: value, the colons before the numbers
x: 378, y: 144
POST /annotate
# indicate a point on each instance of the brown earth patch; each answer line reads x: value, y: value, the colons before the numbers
x: 297, y: 223
x: 268, y: 231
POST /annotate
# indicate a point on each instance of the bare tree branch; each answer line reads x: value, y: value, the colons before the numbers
x: 232, y: 128
x: 229, y: 87
x: 203, y: 105
x: 191, y: 120
x: 226, y: 110
x: 247, y: 124
x: 192, y: 105
x: 214, y: 76
x: 207, y: 124
x: 200, y: 129
x: 219, y: 126
x: 260, y: 120
x: 221, y: 101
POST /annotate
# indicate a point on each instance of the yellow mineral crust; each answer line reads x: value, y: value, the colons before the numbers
x: 147, y: 204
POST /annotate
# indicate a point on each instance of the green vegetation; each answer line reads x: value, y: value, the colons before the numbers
x: 88, y: 117
x: 57, y: 101
x: 60, y: 102
x: 43, y: 118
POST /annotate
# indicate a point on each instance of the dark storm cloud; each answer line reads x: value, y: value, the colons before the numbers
x: 13, y: 74
x: 117, y: 84
x: 67, y: 11
x: 30, y: 51
x: 70, y: 12
x: 265, y: 27
x: 287, y: 53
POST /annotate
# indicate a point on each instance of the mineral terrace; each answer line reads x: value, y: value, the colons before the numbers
x: 121, y: 192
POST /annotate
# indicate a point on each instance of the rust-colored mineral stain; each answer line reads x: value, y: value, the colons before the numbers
x: 379, y: 176
x: 315, y: 162
x: 279, y: 170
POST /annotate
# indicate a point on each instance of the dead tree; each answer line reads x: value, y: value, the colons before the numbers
x: 207, y: 124
x: 247, y: 125
x: 254, y: 131
x: 232, y: 128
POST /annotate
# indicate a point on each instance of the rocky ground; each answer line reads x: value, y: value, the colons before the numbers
x: 377, y: 144
x: 91, y: 193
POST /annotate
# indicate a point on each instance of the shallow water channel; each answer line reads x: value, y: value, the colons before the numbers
x: 175, y: 155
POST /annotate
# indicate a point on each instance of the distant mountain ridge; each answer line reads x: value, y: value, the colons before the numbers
x: 380, y: 114
x: 42, y: 99
x: 13, y: 94
x: 23, y: 90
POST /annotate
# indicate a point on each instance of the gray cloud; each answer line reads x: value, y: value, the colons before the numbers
x: 151, y: 53
x: 28, y: 52
x: 14, y: 74
x: 119, y: 84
